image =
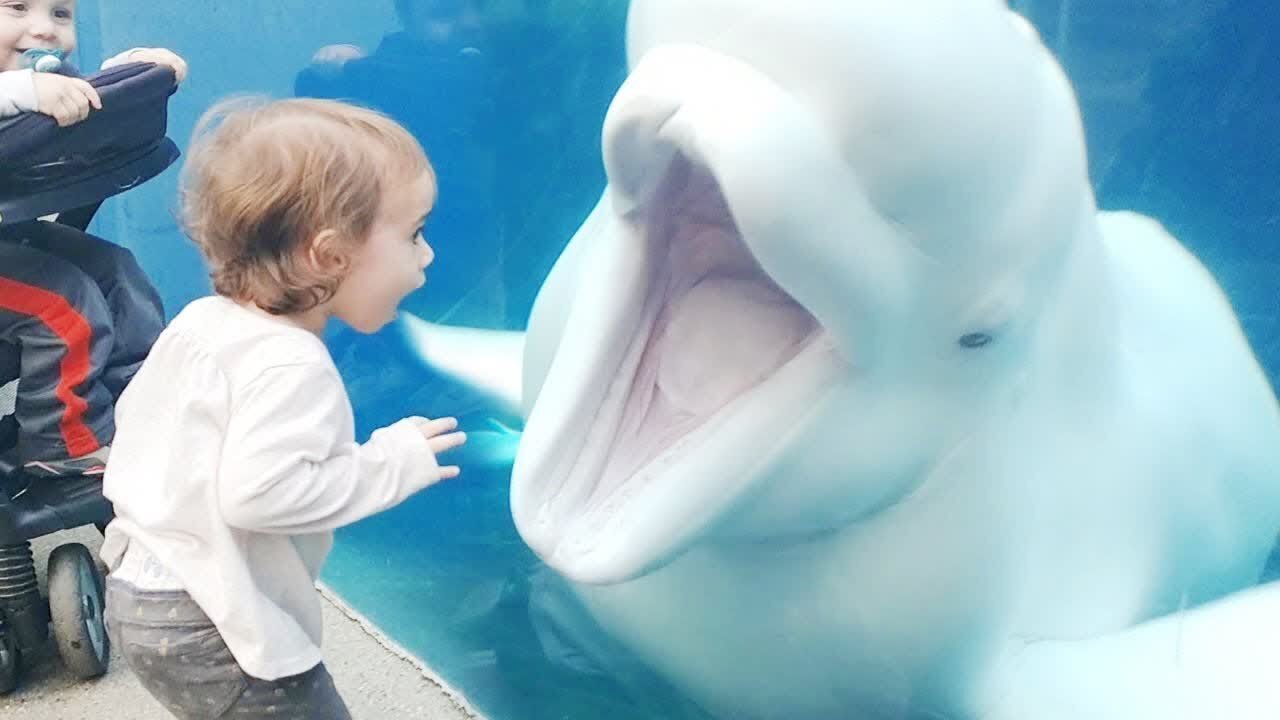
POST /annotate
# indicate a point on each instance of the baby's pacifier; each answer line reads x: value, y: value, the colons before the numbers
x: 42, y: 60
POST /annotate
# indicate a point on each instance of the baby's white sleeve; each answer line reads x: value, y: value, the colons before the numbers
x: 17, y: 92
x: 288, y: 465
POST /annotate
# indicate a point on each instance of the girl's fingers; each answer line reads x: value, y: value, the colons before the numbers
x: 443, y: 443
x: 448, y: 472
x: 439, y: 426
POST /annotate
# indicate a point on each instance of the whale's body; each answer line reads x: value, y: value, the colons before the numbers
x: 847, y: 402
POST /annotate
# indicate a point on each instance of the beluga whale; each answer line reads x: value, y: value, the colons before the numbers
x: 847, y: 401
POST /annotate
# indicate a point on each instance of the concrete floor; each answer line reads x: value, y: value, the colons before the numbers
x: 376, y: 682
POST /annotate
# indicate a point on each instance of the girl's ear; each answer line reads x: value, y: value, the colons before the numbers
x: 326, y: 254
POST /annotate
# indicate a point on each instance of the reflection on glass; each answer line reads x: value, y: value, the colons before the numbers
x: 493, y: 97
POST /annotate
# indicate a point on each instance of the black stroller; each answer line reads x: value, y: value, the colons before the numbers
x: 45, y: 171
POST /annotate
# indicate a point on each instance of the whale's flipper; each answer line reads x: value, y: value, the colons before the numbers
x: 1219, y: 660
x: 486, y: 360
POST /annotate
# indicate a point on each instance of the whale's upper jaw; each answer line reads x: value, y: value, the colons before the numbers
x: 682, y: 368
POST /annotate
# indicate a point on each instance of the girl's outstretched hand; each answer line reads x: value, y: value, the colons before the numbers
x: 441, y: 435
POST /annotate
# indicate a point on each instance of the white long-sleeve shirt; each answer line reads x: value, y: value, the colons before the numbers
x: 234, y: 460
x: 17, y: 92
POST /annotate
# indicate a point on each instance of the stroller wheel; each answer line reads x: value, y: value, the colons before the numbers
x: 76, y: 606
x: 10, y: 660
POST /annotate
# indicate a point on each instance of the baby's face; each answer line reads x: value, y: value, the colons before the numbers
x: 27, y: 24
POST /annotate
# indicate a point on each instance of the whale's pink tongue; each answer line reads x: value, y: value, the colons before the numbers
x: 723, y: 328
x: 722, y: 337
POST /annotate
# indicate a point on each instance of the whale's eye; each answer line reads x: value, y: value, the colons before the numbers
x: 975, y: 340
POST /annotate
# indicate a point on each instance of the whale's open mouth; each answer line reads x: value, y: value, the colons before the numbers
x: 696, y: 365
x: 714, y: 327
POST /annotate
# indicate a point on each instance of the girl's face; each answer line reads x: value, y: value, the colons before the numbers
x: 391, y: 262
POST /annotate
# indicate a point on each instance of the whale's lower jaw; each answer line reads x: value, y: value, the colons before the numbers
x: 701, y: 358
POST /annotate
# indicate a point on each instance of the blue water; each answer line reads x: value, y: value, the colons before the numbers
x: 1182, y: 115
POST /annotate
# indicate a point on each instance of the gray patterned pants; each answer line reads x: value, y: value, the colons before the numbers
x: 179, y: 657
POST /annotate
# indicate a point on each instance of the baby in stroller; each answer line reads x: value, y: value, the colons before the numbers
x: 77, y: 313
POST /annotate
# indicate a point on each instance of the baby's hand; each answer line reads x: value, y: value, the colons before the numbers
x: 159, y: 56
x: 66, y: 99
x: 441, y: 437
